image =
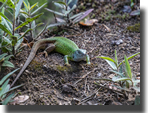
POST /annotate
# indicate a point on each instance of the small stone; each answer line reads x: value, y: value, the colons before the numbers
x: 99, y: 74
x: 111, y: 76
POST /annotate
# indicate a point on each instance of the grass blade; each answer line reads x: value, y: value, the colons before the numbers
x: 128, y: 68
x: 129, y: 58
x: 116, y: 60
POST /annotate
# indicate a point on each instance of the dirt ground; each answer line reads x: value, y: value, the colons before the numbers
x: 47, y: 81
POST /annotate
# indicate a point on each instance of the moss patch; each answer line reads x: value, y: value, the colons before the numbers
x: 134, y: 28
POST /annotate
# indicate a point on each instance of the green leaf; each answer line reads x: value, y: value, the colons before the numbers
x: 2, y: 56
x: 33, y: 6
x: 9, y: 3
x: 4, y: 87
x: 5, y: 90
x: 56, y: 24
x: 63, y: 3
x: 110, y: 61
x: 8, y: 64
x: 18, y: 8
x: 8, y: 99
x: 69, y: 2
x: 112, y: 64
x: 60, y: 5
x: 128, y: 68
x: 55, y: 12
x: 27, y: 5
x: 129, y: 58
x: 13, y: 88
x: 121, y: 74
x: 8, y: 57
x: 67, y: 12
x: 38, y: 9
x: 28, y: 21
x: 6, y: 40
x: 106, y: 58
x: 5, y: 17
x: 76, y: 15
x: 116, y: 60
x: 5, y: 29
x: 7, y: 24
x: 121, y: 79
x: 0, y: 19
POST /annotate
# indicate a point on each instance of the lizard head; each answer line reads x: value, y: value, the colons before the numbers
x: 79, y: 55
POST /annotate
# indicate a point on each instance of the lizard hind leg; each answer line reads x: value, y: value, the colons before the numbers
x: 50, y: 48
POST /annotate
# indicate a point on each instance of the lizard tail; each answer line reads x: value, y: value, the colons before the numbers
x: 31, y: 56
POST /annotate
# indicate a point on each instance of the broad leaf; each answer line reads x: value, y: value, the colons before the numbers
x: 55, y: 12
x: 8, y: 64
x: 2, y: 56
x: 8, y: 57
x: 3, y: 87
x: 121, y: 79
x: 76, y: 15
x: 67, y: 12
x: 56, y: 24
x: 13, y: 88
x: 112, y: 64
x: 5, y: 17
x: 18, y: 8
x: 38, y: 9
x: 8, y: 99
x: 5, y: 29
x: 60, y: 5
x: 63, y: 3
x: 7, y: 24
x: 28, y: 21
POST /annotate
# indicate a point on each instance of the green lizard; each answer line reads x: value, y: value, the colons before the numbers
x: 58, y: 44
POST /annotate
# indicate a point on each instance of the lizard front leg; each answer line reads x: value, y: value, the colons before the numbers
x: 66, y: 60
x: 88, y: 59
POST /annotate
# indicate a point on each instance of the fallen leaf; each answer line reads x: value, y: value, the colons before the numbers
x: 88, y: 22
x: 20, y: 99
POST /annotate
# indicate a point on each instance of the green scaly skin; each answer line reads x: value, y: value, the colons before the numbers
x: 61, y: 45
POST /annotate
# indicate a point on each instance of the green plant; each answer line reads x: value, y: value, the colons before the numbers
x: 9, y: 33
x: 6, y: 94
x: 123, y: 72
x: 114, y: 63
x: 28, y: 12
x: 66, y: 13
x: 4, y: 61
